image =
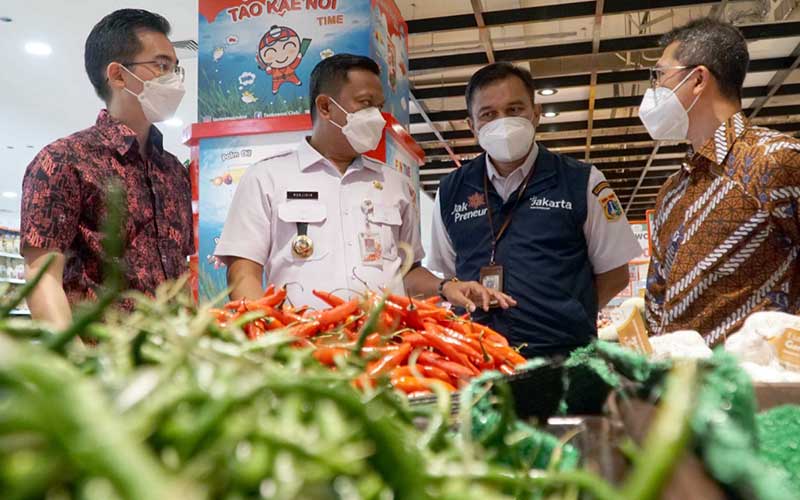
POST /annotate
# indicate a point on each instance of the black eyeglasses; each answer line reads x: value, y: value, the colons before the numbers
x: 657, y: 73
x: 164, y: 67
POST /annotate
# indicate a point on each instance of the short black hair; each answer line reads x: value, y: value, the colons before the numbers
x: 717, y: 45
x: 496, y: 72
x: 115, y: 38
x: 330, y: 74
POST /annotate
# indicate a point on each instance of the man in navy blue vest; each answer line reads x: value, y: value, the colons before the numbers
x: 543, y: 228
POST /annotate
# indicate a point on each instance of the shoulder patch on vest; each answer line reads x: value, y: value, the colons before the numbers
x: 600, y: 187
x: 612, y: 208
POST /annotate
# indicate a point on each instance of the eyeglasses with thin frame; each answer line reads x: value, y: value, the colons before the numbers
x: 657, y: 73
x: 164, y: 67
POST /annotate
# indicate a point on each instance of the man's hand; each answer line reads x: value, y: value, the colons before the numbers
x: 466, y: 293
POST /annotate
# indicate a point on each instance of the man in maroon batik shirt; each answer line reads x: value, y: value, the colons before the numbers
x: 133, y: 68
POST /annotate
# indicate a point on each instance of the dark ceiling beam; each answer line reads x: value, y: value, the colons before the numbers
x: 547, y: 13
x: 630, y: 43
x: 607, y: 78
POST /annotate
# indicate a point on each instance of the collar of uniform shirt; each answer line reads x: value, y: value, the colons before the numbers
x: 309, y: 157
x: 524, y: 168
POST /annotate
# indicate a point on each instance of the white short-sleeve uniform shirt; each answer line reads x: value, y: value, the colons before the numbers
x: 300, y: 186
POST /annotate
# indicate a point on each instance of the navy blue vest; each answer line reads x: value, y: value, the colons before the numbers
x: 543, y: 252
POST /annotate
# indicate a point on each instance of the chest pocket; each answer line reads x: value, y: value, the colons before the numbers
x: 312, y: 213
x: 386, y: 220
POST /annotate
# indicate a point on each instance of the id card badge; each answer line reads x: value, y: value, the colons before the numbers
x: 369, y: 243
x: 492, y: 278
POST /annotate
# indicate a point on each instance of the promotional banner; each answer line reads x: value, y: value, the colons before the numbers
x: 256, y: 56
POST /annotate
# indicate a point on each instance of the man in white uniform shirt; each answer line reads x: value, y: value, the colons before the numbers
x: 325, y: 217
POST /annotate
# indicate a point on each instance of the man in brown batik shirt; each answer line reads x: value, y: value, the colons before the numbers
x: 726, y: 236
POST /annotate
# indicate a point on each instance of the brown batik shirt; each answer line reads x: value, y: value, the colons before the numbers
x: 727, y: 235
x: 63, y: 206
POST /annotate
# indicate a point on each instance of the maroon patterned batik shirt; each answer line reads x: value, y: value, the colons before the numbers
x: 63, y: 206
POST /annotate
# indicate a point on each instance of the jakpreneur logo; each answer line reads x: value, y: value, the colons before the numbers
x: 470, y: 209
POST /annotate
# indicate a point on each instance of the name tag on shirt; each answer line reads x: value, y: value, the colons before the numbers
x: 302, y: 195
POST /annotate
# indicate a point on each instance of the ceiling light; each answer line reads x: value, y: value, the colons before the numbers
x: 173, y: 122
x: 38, y: 49
x: 550, y: 114
x: 548, y: 92
x: 10, y: 195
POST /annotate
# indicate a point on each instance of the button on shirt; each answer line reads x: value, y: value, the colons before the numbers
x: 726, y: 236
x: 611, y: 243
x: 301, y: 186
x: 63, y: 206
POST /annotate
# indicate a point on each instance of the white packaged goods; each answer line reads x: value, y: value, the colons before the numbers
x: 755, y: 346
x: 683, y: 344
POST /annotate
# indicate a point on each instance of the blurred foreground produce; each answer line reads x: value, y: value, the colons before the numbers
x: 167, y: 403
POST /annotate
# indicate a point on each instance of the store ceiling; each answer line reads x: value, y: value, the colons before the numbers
x: 597, y: 64
x: 562, y: 43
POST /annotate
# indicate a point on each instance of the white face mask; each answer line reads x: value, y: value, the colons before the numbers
x: 364, y: 129
x: 160, y: 97
x: 507, y: 139
x: 663, y: 114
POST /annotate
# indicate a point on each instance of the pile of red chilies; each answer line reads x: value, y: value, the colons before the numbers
x: 415, y: 343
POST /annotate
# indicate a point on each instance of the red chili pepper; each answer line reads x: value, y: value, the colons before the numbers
x: 253, y: 330
x: 305, y: 330
x: 273, y: 324
x: 434, y: 300
x: 490, y: 334
x: 352, y: 335
x: 271, y: 300
x: 504, y: 354
x: 220, y: 315
x: 415, y: 339
x: 413, y: 384
x: 438, y: 342
x: 424, y: 370
x: 389, y: 361
x: 406, y: 302
x: 455, y: 370
x: 472, y: 342
x: 335, y: 315
x: 373, y: 340
x: 329, y: 298
x: 413, y: 319
x: 328, y: 355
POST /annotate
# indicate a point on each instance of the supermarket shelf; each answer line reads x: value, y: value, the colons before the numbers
x: 12, y: 281
x: 12, y: 256
x: 19, y: 312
